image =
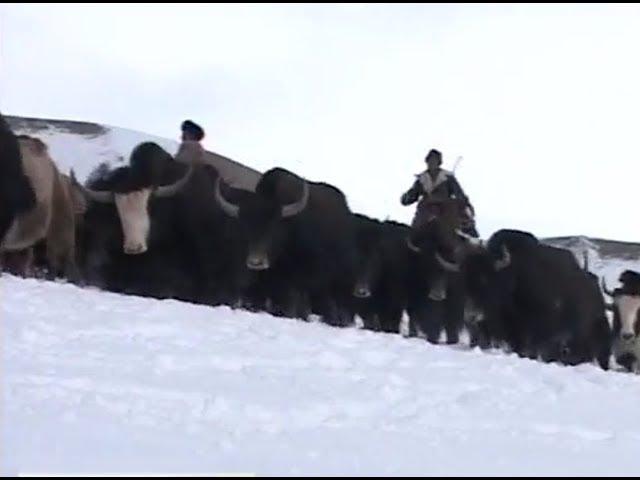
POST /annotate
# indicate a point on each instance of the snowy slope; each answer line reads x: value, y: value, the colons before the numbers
x: 82, y: 146
x: 97, y: 382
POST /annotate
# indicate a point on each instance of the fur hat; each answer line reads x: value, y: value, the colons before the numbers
x: 192, y: 129
x: 433, y: 155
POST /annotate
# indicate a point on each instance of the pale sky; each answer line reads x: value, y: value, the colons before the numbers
x: 543, y: 102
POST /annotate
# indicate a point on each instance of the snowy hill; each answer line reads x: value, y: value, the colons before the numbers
x: 607, y: 258
x: 606, y: 249
x: 95, y: 382
x: 84, y: 145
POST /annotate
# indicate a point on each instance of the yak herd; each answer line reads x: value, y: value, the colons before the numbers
x: 293, y: 248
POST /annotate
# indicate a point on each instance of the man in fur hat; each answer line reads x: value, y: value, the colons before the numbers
x: 434, y: 185
x: 190, y: 150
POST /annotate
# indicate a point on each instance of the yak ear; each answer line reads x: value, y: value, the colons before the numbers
x: 298, y: 206
x: 98, y: 196
x: 504, y: 261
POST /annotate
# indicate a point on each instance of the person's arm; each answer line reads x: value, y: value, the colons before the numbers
x: 456, y: 189
x: 412, y: 195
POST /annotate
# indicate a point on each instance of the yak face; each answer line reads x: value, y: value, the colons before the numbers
x: 369, y: 257
x: 133, y: 211
x: 485, y: 285
x: 435, y: 241
x: 427, y: 259
x: 264, y: 221
x: 132, y: 206
x: 625, y: 306
x: 261, y: 222
x: 368, y: 272
x: 366, y: 277
x: 486, y: 280
x: 627, y: 315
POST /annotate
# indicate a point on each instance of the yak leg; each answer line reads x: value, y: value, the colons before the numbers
x: 62, y: 262
x: 479, y: 335
x: 428, y: 318
x: 453, y: 317
x: 371, y: 321
x: 19, y: 263
x: 390, y: 319
x: 6, y: 220
x: 28, y: 229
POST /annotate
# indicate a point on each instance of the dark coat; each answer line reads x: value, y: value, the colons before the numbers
x: 429, y: 191
x: 444, y: 186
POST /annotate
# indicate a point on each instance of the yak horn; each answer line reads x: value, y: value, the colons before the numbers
x: 227, y: 207
x: 505, y: 261
x: 412, y: 246
x: 99, y: 196
x: 447, y: 265
x: 476, y: 242
x: 295, y: 208
x: 172, y: 189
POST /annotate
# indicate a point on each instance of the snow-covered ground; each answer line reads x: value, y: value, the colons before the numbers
x: 95, y: 382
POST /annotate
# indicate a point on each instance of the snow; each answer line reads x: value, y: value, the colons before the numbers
x: 94, y: 382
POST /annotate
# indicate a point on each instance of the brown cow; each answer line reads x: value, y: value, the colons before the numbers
x: 51, y: 221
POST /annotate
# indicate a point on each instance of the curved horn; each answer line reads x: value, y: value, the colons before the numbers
x: 476, y: 242
x: 227, y: 207
x: 505, y: 261
x: 99, y: 196
x: 170, y: 190
x: 446, y: 264
x: 412, y: 245
x: 605, y: 289
x: 296, y: 207
x: 585, y: 254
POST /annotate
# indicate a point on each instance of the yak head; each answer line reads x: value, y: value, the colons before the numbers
x: 131, y: 191
x: 264, y: 221
x: 625, y: 306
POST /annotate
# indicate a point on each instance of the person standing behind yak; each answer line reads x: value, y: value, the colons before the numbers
x: 191, y: 150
